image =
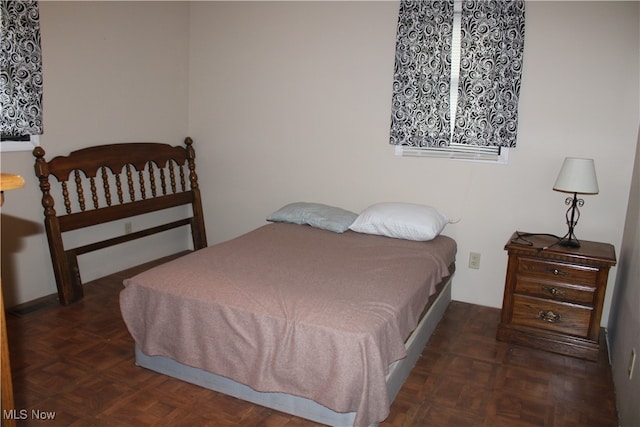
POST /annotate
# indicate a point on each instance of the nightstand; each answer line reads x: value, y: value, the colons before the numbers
x: 553, y: 296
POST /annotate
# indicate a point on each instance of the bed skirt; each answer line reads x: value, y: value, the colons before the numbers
x: 299, y: 406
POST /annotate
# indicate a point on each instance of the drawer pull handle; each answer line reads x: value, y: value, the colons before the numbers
x: 553, y: 291
x: 557, y: 272
x: 549, y: 316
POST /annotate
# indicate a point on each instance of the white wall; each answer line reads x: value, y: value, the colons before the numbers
x: 291, y: 101
x: 113, y: 72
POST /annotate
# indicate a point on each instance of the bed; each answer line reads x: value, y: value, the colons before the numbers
x: 303, y: 314
x: 307, y: 321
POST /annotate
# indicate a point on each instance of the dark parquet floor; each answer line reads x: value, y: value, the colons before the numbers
x: 77, y: 363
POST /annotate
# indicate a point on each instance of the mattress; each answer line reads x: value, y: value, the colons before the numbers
x: 292, y: 309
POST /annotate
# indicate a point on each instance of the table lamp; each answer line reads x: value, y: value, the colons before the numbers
x: 577, y: 176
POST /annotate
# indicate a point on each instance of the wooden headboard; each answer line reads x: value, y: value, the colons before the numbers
x: 104, y: 183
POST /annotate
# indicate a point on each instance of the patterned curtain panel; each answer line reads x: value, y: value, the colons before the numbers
x: 420, y: 104
x: 490, y: 70
x: 21, y: 69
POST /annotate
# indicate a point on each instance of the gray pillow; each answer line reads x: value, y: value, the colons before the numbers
x: 316, y: 215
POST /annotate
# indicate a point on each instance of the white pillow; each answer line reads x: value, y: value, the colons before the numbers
x: 401, y: 220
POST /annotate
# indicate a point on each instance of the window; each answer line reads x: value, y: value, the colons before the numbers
x: 457, y: 79
x: 20, y: 75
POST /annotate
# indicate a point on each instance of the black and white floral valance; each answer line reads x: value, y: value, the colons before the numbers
x: 491, y: 55
x: 20, y: 69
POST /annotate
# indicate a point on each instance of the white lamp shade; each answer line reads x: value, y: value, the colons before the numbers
x: 577, y: 176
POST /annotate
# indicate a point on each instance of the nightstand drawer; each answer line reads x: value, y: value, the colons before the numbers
x: 558, y: 271
x: 550, y: 315
x: 556, y: 291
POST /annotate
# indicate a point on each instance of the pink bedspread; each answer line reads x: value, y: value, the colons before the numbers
x: 293, y: 309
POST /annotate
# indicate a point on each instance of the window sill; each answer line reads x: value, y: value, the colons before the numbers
x: 8, y: 146
x: 497, y: 155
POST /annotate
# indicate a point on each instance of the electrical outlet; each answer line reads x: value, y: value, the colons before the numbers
x: 474, y: 260
x: 127, y: 228
x: 632, y: 362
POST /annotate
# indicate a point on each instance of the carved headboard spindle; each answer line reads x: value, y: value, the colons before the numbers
x: 65, y: 196
x: 94, y: 192
x: 163, y: 182
x: 143, y: 190
x: 80, y: 190
x: 132, y: 193
x: 119, y: 189
x: 106, y: 186
x: 152, y: 180
x: 172, y: 177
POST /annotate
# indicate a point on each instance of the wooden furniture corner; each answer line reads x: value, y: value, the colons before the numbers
x: 7, y: 182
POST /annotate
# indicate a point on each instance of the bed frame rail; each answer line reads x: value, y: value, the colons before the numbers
x: 112, y: 182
